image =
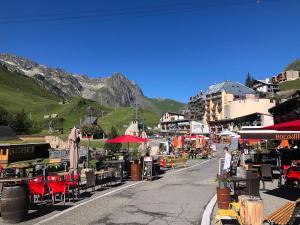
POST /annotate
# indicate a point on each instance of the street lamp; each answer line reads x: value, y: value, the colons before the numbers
x: 89, y: 112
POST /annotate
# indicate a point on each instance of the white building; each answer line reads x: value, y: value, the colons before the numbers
x: 176, y: 123
x: 265, y: 86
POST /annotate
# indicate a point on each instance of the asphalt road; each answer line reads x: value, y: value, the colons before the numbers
x: 179, y: 197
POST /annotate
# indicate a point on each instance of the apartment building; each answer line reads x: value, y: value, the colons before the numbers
x: 286, y: 76
x: 209, y: 106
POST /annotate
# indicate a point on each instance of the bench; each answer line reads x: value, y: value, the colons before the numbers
x: 176, y: 162
x: 285, y: 214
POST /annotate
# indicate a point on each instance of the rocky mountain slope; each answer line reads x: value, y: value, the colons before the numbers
x: 115, y: 90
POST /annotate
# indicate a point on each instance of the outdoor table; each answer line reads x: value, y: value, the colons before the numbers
x: 235, y: 180
x: 118, y: 165
x: 62, y: 174
x: 101, y: 174
x: 23, y: 167
x: 15, y: 180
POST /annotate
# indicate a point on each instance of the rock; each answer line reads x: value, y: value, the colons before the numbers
x: 115, y: 90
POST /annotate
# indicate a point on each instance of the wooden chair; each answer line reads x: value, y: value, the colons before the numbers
x: 252, y: 187
x: 90, y: 179
x: 266, y: 174
x: 285, y: 215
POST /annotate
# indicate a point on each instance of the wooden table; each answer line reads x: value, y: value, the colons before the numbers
x: 23, y: 167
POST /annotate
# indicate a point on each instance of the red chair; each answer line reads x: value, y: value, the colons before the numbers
x: 37, y: 189
x: 38, y: 179
x: 285, y: 168
x: 58, y: 187
x: 53, y: 178
x: 72, y: 184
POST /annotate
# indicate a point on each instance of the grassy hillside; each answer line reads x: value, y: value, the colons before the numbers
x: 288, y: 85
x: 18, y: 91
x: 162, y: 105
x: 294, y: 65
x: 123, y: 116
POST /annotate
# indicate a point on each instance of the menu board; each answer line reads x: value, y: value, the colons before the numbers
x: 221, y: 165
x: 147, y: 168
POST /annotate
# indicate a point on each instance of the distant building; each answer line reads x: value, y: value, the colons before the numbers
x: 171, y: 116
x: 209, y: 105
x: 183, y: 126
x: 89, y: 120
x: 265, y: 86
x: 248, y: 105
x: 171, y: 122
x: 286, y: 76
x: 253, y: 119
x: 135, y: 128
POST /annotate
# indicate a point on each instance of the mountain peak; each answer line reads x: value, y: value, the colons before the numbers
x: 116, y: 90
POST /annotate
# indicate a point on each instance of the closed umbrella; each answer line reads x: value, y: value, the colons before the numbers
x: 143, y: 146
x: 73, y: 142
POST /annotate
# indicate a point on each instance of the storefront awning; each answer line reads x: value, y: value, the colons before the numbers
x: 270, y: 134
x: 287, y: 126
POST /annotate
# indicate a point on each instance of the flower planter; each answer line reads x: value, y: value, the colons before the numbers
x: 136, y: 173
x: 223, y: 198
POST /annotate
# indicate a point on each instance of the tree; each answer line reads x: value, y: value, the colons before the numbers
x: 4, y: 117
x: 114, y: 147
x: 94, y: 130
x: 20, y: 123
x: 249, y: 80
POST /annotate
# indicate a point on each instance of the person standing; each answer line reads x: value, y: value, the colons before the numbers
x: 227, y: 161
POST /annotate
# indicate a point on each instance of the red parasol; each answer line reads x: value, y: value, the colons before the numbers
x: 127, y: 139
x: 287, y: 126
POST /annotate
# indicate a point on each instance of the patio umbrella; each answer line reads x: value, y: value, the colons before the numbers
x: 73, y: 141
x: 287, y: 126
x: 127, y: 139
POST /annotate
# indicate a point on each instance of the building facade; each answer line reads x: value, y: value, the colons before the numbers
x: 176, y: 123
x: 254, y: 119
x: 288, y: 110
x: 249, y: 105
x: 265, y: 86
x: 286, y: 76
x: 210, y: 105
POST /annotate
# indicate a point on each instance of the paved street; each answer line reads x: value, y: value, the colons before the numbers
x: 179, y: 197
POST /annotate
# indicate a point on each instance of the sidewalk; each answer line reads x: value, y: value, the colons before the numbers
x: 273, y: 198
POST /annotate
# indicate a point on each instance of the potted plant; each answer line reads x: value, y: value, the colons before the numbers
x: 223, y: 191
x: 136, y: 172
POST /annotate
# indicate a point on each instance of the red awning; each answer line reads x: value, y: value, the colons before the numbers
x: 287, y: 126
x: 127, y: 139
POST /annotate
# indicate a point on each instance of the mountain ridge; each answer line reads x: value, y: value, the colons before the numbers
x: 113, y: 91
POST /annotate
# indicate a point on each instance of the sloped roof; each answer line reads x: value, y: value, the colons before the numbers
x: 230, y: 87
x: 6, y: 133
x: 89, y: 120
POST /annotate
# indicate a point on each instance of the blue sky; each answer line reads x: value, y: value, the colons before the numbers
x: 171, y: 48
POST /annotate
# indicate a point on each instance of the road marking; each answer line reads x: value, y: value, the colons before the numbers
x: 208, y: 211
x: 109, y: 193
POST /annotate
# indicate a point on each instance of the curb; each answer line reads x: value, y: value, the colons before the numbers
x: 208, y: 211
